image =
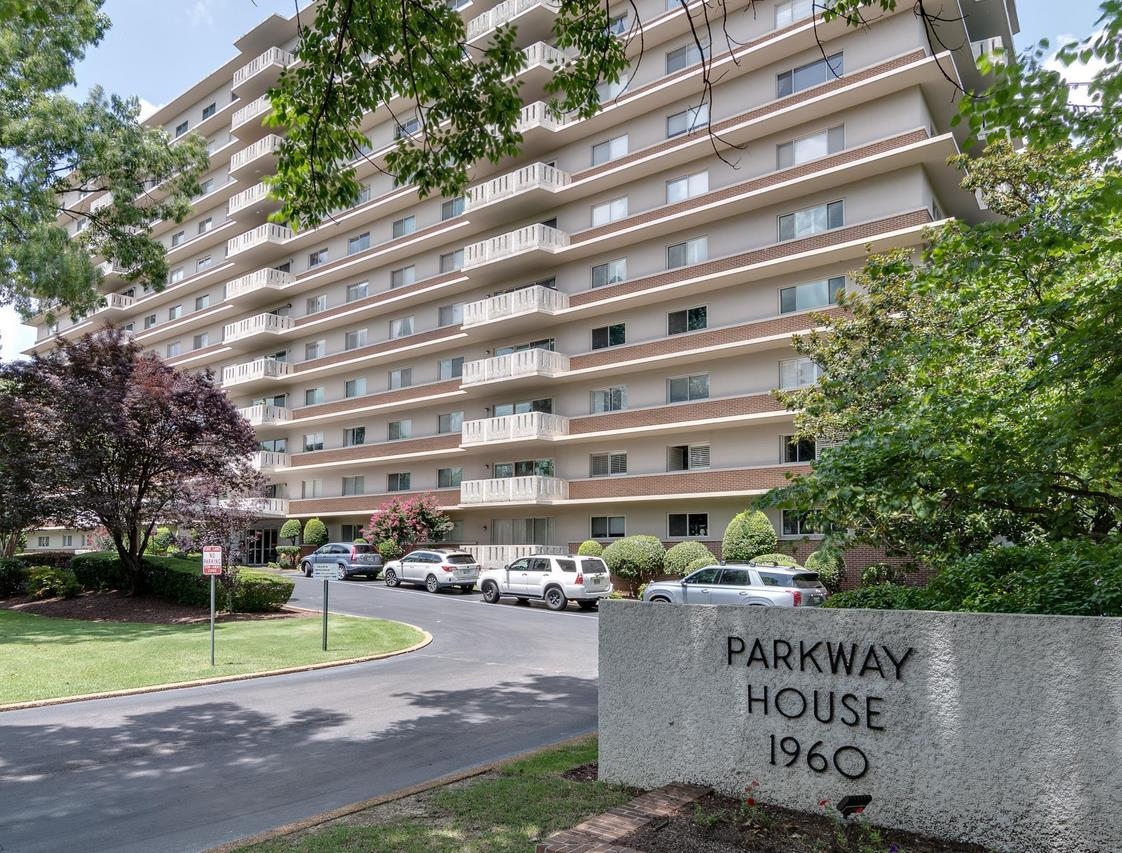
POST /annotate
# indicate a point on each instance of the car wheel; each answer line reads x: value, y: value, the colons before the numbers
x: 658, y: 599
x: 306, y: 568
x: 431, y: 585
x: 555, y: 599
x: 343, y: 573
x: 586, y: 605
x: 391, y: 578
x: 491, y: 592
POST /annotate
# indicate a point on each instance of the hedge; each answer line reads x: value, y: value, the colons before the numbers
x: 251, y: 591
x: 590, y: 548
x: 681, y: 556
x: 635, y: 557
x: 701, y: 563
x: 55, y: 559
x: 49, y: 582
x: 830, y: 568
x: 99, y: 570
x: 778, y: 559
x: 13, y: 576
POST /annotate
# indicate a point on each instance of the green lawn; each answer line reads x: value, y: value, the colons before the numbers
x: 527, y: 801
x: 47, y: 658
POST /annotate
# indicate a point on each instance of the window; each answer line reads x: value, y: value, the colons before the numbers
x: 450, y: 315
x: 317, y: 257
x: 524, y: 468
x: 609, y: 400
x: 814, y: 294
x: 364, y: 195
x: 450, y: 422
x: 617, y: 26
x: 67, y: 540
x: 316, y: 349
x: 201, y: 341
x: 612, y: 272
x: 450, y: 368
x: 177, y: 238
x: 544, y: 343
x: 181, y: 129
x: 173, y: 349
x: 690, y: 320
x: 797, y: 449
x: 354, y: 436
x: 452, y: 208
x: 609, y: 90
x: 521, y: 407
x: 796, y: 524
x: 205, y: 187
x: 359, y: 243
x: 683, y: 57
x: 206, y: 224
x: 793, y: 10
x: 812, y: 220
x: 275, y: 445
x: 397, y: 482
x: 311, y: 488
x: 355, y: 339
x: 798, y: 372
x: 202, y: 302
x: 354, y: 387
x: 448, y: 478
x: 149, y: 321
x: 608, y: 526
x: 687, y: 457
x: 611, y: 149
x: 687, y: 524
x: 607, y: 464
x: 315, y: 304
x: 609, y: 211
x: 609, y: 336
x: 175, y: 312
x: 281, y: 355
x: 811, y: 74
x: 810, y: 147
x: 209, y: 110
x: 690, y: 252
x: 175, y: 275
x: 408, y: 127
x: 44, y: 541
x: 687, y: 120
x: 683, y: 188
x: 403, y: 276
x: 682, y: 389
x: 401, y: 378
x: 202, y: 263
x: 313, y: 441
x: 401, y: 327
x: 406, y: 225
x: 354, y: 485
x: 400, y: 429
x: 357, y: 291
x: 452, y: 260
x: 313, y: 396
x: 350, y: 532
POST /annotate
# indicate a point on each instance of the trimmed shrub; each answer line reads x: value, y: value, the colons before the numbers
x: 259, y: 592
x: 13, y: 576
x: 749, y: 533
x: 830, y: 568
x: 679, y: 558
x: 288, y: 556
x: 315, y: 533
x: 54, y: 559
x: 884, y: 596
x: 881, y: 573
x: 701, y: 563
x: 180, y: 581
x: 590, y: 548
x: 49, y: 582
x: 389, y: 549
x: 290, y: 530
x: 635, y: 558
x: 778, y: 559
x: 99, y: 570
x: 246, y: 591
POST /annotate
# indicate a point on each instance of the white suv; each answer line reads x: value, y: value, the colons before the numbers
x: 436, y: 569
x: 553, y: 579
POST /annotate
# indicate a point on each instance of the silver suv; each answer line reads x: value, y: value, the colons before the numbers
x: 435, y: 569
x: 553, y: 579
x: 351, y: 559
x: 763, y: 585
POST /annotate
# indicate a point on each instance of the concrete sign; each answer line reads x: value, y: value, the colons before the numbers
x: 1002, y: 730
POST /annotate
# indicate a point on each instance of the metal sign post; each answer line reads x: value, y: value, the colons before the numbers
x: 328, y: 573
x: 212, y: 566
x: 325, y: 614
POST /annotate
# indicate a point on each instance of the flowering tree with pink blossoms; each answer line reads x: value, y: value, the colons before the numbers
x: 407, y: 521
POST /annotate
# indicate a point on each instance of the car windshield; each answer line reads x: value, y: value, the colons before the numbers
x: 807, y: 580
x: 459, y: 559
x: 593, y: 564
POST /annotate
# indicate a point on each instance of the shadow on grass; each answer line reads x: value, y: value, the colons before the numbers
x: 32, y: 629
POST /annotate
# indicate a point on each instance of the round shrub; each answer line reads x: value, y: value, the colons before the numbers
x: 287, y: 555
x: 748, y: 534
x: 590, y: 548
x: 679, y: 558
x: 881, y: 573
x: 635, y: 557
x: 13, y: 576
x: 701, y: 563
x: 290, y: 530
x: 389, y: 549
x: 49, y: 582
x: 259, y: 592
x: 778, y: 559
x: 315, y: 533
x: 830, y: 568
x: 884, y: 596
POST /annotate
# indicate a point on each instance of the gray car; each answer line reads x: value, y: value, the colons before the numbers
x: 742, y: 584
x: 350, y: 558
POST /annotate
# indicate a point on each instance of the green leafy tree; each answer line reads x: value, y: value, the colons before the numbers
x: 56, y: 151
x: 635, y: 558
x: 748, y: 534
x: 315, y: 533
x: 290, y: 530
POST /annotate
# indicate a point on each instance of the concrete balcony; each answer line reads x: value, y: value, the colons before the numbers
x: 511, y: 490
x: 260, y: 158
x: 263, y: 415
x: 523, y: 367
x: 246, y: 123
x: 526, y: 426
x: 501, y: 556
x: 528, y: 303
x: 260, y: 371
x: 522, y: 192
x: 254, y: 329
x: 538, y: 115
x: 257, y: 243
x: 534, y: 18
x: 257, y: 287
x: 261, y: 507
x: 253, y: 204
x: 115, y: 304
x: 541, y: 62
x: 269, y: 460
x: 261, y: 73
x: 515, y: 251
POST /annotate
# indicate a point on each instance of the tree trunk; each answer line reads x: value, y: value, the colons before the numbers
x: 9, y: 543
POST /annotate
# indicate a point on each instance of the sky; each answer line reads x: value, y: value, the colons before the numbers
x: 141, y: 56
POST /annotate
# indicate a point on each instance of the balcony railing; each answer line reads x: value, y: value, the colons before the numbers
x: 501, y: 556
x: 256, y: 325
x: 259, y: 368
x: 273, y: 56
x: 259, y: 236
x: 501, y: 14
x: 514, y: 490
x: 255, y: 109
x: 532, y: 237
x: 270, y: 460
x: 253, y: 195
x: 538, y: 114
x: 524, y: 363
x: 527, y: 300
x: 117, y: 302
x: 266, y: 279
x: 520, y: 427
x: 273, y: 507
x: 534, y: 176
x: 540, y: 53
x: 101, y: 201
x: 263, y: 415
x: 269, y: 145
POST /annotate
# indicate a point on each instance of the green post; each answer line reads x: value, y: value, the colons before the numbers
x: 325, y: 614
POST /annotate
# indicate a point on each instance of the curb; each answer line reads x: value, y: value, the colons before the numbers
x: 401, y: 794
x: 426, y: 638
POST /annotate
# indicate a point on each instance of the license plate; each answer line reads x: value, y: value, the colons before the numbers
x: 467, y: 573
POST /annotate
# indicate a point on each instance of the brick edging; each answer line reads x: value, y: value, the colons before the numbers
x: 598, y: 834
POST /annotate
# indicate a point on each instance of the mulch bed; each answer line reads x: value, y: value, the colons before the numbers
x: 119, y: 607
x: 583, y: 773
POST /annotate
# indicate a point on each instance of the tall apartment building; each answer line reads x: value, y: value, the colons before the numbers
x: 584, y: 344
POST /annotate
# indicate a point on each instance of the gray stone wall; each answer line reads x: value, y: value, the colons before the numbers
x: 1005, y: 730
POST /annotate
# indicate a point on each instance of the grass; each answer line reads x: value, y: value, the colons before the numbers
x: 48, y: 658
x: 502, y: 813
